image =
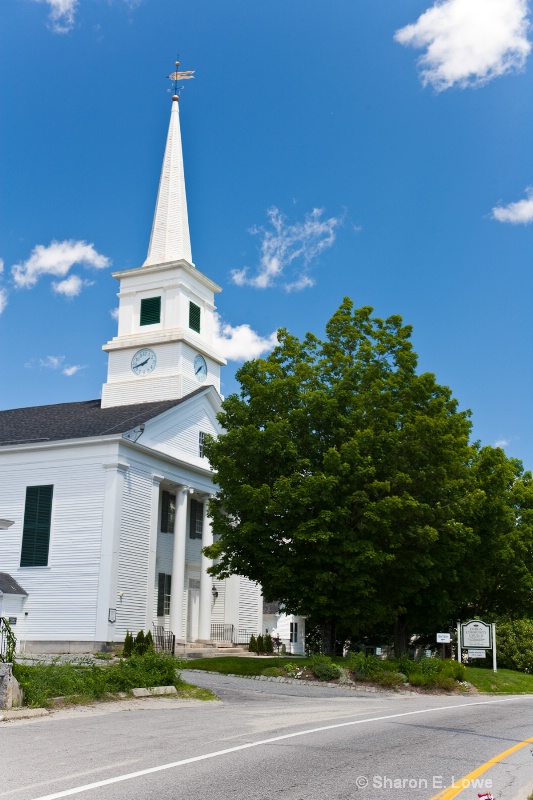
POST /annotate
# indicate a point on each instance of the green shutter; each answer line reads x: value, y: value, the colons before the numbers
x: 194, y: 317
x: 164, y: 512
x: 161, y: 594
x: 150, y: 310
x: 196, y: 519
x: 36, y: 530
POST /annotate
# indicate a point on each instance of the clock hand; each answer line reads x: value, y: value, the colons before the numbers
x: 143, y: 362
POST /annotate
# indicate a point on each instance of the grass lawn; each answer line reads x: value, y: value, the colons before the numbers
x: 244, y: 666
x: 505, y: 680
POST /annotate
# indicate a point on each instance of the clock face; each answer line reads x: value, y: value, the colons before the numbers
x: 200, y: 368
x: 143, y: 362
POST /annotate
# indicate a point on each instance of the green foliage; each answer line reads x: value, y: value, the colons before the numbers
x: 273, y: 672
x: 149, y: 640
x: 269, y: 647
x: 515, y: 645
x: 260, y: 644
x: 43, y: 682
x: 390, y: 679
x: 252, y: 647
x: 139, y: 644
x: 429, y: 666
x: 324, y: 669
x: 341, y: 472
x: 127, y: 649
x: 11, y: 641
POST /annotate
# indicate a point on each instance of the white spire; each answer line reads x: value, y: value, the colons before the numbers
x: 170, y: 240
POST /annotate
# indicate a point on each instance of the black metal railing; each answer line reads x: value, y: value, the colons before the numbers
x: 243, y: 636
x: 8, y: 641
x: 164, y: 641
x: 220, y: 632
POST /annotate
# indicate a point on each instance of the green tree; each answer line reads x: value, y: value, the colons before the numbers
x: 345, y: 478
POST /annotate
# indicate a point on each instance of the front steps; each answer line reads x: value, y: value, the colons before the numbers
x: 209, y: 649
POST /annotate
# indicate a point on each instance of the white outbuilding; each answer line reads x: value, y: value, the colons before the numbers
x: 108, y: 498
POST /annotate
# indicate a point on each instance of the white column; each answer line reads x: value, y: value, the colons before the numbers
x: 152, y: 550
x: 206, y: 581
x: 109, y: 551
x: 178, y: 564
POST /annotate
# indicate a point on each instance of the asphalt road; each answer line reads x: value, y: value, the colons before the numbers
x: 268, y: 740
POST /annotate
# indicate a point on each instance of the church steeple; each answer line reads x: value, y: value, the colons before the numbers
x: 166, y: 345
x: 170, y: 239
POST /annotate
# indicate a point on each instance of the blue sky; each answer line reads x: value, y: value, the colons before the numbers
x: 380, y: 150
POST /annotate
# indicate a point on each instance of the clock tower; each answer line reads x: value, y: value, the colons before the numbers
x: 165, y: 347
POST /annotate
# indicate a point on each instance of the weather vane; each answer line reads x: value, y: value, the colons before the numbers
x: 177, y: 76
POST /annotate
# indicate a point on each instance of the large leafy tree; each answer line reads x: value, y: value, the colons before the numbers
x: 346, y: 482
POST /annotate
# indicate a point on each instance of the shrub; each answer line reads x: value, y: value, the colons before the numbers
x: 127, y: 649
x: 273, y: 672
x: 324, y: 669
x: 252, y: 647
x: 453, y: 669
x: 139, y: 645
x: 429, y: 666
x: 149, y: 641
x: 515, y: 645
x: 260, y: 644
x: 446, y: 683
x: 269, y: 647
x: 356, y: 662
x: 391, y: 679
x: 419, y: 679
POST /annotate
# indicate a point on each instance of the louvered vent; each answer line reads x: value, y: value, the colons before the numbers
x: 150, y: 310
x: 194, y: 317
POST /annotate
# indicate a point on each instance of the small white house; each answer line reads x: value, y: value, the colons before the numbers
x: 108, y: 498
x: 289, y: 628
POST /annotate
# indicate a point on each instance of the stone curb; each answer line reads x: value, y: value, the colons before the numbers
x: 23, y: 713
x: 353, y: 687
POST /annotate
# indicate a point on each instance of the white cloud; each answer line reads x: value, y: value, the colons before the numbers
x: 1, y: 265
x: 62, y: 13
x: 70, y: 371
x: 469, y: 42
x: 51, y: 362
x: 519, y: 213
x: 241, y: 343
x: 71, y: 286
x: 501, y: 443
x: 58, y: 362
x: 3, y: 300
x: 56, y: 259
x: 114, y: 313
x: 289, y: 248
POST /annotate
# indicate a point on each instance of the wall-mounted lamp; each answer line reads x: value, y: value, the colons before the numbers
x: 121, y: 595
x: 214, y: 593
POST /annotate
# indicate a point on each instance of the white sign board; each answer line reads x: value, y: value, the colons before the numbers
x: 477, y: 653
x: 379, y: 651
x: 444, y: 638
x: 476, y: 633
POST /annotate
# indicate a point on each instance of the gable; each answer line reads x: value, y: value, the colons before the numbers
x: 176, y: 433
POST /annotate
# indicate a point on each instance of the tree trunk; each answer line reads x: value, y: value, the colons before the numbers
x: 400, y: 636
x: 329, y: 637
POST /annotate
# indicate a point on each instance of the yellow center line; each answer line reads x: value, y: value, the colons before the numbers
x: 464, y: 783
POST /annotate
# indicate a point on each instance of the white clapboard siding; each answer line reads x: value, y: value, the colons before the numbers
x: 62, y: 597
x: 249, y: 605
x: 218, y: 607
x: 134, y: 549
x: 180, y: 437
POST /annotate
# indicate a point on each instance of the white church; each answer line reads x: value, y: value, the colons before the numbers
x: 103, y: 503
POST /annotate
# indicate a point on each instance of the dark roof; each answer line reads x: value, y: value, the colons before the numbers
x: 77, y: 420
x: 8, y: 585
x: 270, y: 608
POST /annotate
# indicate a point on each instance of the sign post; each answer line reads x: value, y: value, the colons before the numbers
x: 477, y: 636
x: 443, y: 639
